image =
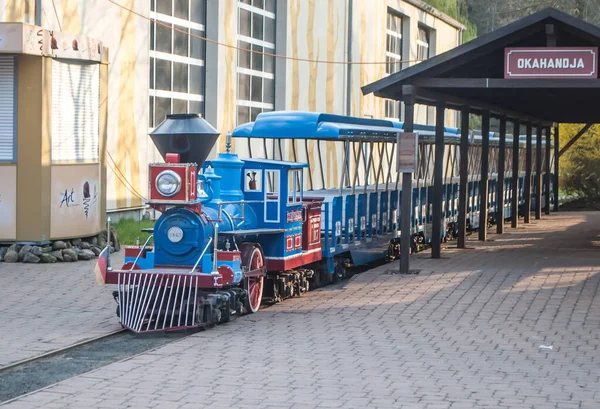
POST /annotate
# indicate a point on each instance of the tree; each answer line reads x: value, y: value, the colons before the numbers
x: 580, y: 165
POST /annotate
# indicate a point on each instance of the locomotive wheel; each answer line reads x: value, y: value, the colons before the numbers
x: 252, y: 256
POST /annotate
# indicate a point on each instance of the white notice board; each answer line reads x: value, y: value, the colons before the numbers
x: 406, y: 152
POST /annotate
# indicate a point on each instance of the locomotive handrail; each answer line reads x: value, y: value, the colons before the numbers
x: 201, y: 255
x: 140, y: 252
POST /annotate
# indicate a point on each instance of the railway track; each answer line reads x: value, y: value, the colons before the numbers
x: 32, y: 374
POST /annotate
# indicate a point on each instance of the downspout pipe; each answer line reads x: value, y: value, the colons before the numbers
x: 349, y: 69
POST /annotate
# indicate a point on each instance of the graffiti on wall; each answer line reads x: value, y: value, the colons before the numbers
x: 75, y: 207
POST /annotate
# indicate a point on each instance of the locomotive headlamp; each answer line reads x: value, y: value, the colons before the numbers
x: 168, y: 183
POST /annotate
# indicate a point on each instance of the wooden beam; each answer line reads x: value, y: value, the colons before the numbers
x: 430, y: 97
x: 574, y: 139
x: 501, y: 83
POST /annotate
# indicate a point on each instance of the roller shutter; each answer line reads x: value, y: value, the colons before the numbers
x: 7, y: 108
x: 75, y: 111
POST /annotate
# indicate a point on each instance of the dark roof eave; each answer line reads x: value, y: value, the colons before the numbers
x: 478, y: 43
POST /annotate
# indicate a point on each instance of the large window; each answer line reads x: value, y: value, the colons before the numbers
x: 423, y: 43
x: 393, y: 48
x: 177, y: 55
x: 393, y: 58
x: 255, y: 70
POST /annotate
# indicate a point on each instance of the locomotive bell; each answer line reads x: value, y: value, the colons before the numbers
x: 188, y: 135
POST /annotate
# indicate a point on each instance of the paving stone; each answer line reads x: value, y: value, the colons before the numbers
x: 464, y: 333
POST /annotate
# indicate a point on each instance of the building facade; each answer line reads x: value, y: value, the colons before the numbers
x: 230, y: 60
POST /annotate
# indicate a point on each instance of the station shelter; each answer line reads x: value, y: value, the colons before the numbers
x: 533, y: 74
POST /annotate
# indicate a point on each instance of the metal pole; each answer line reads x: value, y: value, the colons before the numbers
x: 436, y: 231
x: 527, y: 187
x: 500, y: 185
x: 108, y: 265
x: 547, y: 173
x: 556, y: 149
x: 514, y: 208
x: 483, y: 184
x: 464, y: 177
x: 538, y: 174
x: 409, y: 111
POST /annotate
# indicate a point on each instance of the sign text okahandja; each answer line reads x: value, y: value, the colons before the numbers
x: 574, y: 62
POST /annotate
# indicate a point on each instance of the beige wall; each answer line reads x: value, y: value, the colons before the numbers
x: 316, y: 30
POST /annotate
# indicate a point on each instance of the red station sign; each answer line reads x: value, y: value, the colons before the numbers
x: 575, y: 62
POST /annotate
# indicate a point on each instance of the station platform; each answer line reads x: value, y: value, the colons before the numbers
x: 513, y: 322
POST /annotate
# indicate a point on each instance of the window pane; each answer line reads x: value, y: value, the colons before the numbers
x: 163, y: 38
x: 198, y: 11
x: 247, y: 1
x: 269, y: 61
x: 180, y: 77
x: 270, y: 30
x: 243, y: 115
x: 179, y: 106
x: 269, y: 91
x: 257, y: 59
x: 256, y: 89
x: 257, y: 26
x: 258, y: 3
x: 244, y: 87
x: 151, y: 113
x: 163, y: 75
x: 180, y: 42
x: 197, y: 44
x: 162, y: 107
x: 245, y: 17
x: 270, y: 5
x: 164, y: 7
x: 254, y: 113
x: 151, y: 73
x: 182, y: 9
x: 196, y: 80
x: 195, y: 107
x: 152, y: 35
x: 243, y: 56
x: 152, y: 5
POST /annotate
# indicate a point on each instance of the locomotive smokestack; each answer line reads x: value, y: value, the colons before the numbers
x: 189, y: 135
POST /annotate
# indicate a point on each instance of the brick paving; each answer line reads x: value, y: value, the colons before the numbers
x: 464, y: 333
x: 45, y: 307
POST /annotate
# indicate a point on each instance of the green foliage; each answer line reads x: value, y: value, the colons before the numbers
x: 129, y: 230
x: 580, y: 165
x: 457, y: 9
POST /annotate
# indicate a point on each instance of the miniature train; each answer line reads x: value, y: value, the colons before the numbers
x: 236, y: 233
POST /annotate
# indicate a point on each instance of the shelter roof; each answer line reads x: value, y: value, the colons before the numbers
x: 473, y: 74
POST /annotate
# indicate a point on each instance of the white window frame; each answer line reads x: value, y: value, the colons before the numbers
x: 266, y: 193
x: 421, y: 43
x: 158, y: 55
x: 262, y: 105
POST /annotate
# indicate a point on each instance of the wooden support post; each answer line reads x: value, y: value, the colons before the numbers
x: 483, y: 184
x: 556, y: 156
x: 500, y: 184
x: 405, y: 236
x: 527, y: 187
x: 514, y: 204
x: 538, y: 174
x: 438, y: 182
x: 464, y: 178
x: 547, y: 173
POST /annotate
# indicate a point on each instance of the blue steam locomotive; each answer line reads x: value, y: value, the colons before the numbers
x: 315, y: 196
